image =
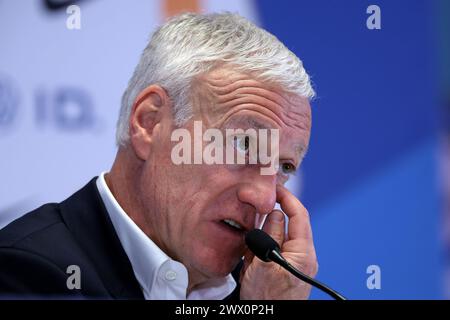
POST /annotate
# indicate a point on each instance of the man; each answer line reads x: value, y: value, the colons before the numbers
x: 155, y: 228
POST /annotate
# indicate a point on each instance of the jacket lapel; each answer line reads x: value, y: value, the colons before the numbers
x: 86, y: 217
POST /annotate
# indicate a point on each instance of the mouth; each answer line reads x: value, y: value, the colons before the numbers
x: 234, y: 226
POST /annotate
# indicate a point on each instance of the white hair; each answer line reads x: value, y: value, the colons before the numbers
x: 191, y: 44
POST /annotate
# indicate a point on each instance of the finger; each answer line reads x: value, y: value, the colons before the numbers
x: 299, y: 226
x: 248, y: 258
x: 274, y: 226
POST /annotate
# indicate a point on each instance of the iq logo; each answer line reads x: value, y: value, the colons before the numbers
x: 67, y: 108
x: 9, y: 102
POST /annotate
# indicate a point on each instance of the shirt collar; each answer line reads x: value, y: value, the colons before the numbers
x: 159, y: 276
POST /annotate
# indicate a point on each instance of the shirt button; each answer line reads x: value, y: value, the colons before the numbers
x: 171, y: 275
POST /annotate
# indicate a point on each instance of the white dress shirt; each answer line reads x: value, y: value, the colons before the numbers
x: 159, y: 276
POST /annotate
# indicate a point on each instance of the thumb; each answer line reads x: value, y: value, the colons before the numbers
x: 274, y: 226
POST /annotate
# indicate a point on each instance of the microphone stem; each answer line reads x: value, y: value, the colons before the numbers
x: 276, y: 257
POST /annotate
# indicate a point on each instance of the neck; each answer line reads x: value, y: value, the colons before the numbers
x: 123, y: 182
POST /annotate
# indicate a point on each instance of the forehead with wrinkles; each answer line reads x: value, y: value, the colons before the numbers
x: 227, y: 98
x: 223, y: 93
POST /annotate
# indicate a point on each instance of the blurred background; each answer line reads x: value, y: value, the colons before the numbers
x: 376, y: 179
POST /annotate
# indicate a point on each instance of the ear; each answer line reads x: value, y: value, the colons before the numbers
x: 145, y: 115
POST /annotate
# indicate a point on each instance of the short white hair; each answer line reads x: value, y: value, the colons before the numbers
x: 191, y: 44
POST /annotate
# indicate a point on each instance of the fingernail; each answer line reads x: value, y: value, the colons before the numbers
x: 277, y: 216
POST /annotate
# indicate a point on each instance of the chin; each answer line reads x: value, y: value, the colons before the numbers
x: 212, y: 255
x: 217, y: 266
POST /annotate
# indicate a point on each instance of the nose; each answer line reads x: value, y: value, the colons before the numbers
x: 260, y: 193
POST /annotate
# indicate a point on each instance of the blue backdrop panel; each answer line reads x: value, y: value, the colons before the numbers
x: 370, y: 175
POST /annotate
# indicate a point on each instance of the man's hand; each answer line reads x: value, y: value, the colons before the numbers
x: 267, y: 280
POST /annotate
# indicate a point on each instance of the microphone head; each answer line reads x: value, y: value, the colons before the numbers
x: 261, y: 244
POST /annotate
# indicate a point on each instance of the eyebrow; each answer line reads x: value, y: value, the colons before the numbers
x: 299, y: 148
x: 249, y: 122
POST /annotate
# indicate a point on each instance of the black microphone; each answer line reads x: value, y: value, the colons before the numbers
x: 267, y: 249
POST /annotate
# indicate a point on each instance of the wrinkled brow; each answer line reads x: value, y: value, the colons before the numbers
x: 248, y: 122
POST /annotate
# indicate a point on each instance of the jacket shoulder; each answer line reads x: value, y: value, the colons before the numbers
x: 31, y: 223
x: 36, y: 251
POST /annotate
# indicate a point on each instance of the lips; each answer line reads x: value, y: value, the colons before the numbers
x: 231, y: 231
x: 235, y: 225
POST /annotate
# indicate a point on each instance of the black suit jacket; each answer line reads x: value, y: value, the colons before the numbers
x: 36, y: 250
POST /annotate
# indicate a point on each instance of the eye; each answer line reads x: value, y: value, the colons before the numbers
x: 242, y: 143
x: 288, y: 168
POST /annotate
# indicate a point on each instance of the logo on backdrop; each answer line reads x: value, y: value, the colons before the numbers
x: 9, y: 102
x: 66, y: 108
